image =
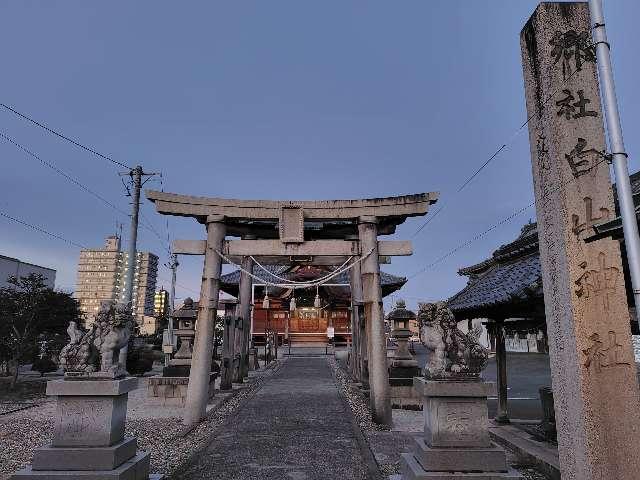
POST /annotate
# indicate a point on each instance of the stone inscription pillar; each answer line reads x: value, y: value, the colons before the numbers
x: 198, y: 390
x: 593, y: 371
x: 228, y: 347
x: 372, y: 296
x: 502, y: 415
x: 356, y: 305
x: 244, y: 313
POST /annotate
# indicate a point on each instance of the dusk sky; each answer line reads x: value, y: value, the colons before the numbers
x: 276, y: 100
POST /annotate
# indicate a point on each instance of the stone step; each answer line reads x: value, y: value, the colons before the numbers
x: 411, y: 470
x: 84, y: 458
x: 491, y: 459
x: 135, y: 469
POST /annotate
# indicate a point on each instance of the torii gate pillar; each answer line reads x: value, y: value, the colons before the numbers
x: 198, y: 389
x: 372, y: 295
x: 244, y: 313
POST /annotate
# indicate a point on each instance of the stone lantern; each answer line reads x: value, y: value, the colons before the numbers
x: 399, y: 319
x: 403, y: 366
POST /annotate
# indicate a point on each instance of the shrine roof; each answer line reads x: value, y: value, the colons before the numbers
x: 230, y: 281
x: 510, y: 277
x: 613, y: 228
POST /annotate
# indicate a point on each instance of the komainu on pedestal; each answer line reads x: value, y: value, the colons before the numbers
x: 456, y: 443
x: 88, y: 437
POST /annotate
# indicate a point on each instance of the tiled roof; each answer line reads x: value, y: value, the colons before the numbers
x: 511, y: 274
x: 514, y: 281
x: 233, y: 278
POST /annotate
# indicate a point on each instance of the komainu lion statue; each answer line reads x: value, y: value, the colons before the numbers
x: 98, y: 349
x: 452, y: 354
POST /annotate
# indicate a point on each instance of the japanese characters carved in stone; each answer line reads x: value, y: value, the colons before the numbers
x: 453, y: 354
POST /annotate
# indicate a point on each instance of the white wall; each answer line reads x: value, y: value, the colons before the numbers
x: 11, y: 266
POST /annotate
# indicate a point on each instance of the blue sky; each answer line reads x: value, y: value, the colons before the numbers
x: 276, y: 100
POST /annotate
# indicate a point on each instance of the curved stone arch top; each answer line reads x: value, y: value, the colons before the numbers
x: 192, y: 206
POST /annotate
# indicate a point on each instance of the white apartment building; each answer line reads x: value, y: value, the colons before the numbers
x: 102, y: 276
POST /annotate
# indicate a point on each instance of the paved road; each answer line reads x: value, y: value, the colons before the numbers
x: 295, y: 427
x: 526, y: 372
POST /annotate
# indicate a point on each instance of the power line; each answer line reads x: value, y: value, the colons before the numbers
x: 79, y: 184
x: 497, y: 152
x: 64, y: 137
x: 40, y: 229
x: 60, y: 172
x: 151, y: 228
x: 605, y: 157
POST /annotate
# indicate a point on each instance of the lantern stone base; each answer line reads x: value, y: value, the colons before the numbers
x: 88, y: 439
x: 456, y: 443
x: 253, y: 359
x: 403, y: 395
x: 172, y: 391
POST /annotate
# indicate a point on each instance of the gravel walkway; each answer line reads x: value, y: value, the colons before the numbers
x: 296, y: 426
x: 159, y: 429
x: 387, y: 444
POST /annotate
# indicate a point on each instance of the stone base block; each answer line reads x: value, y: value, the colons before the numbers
x: 401, y: 371
x: 253, y: 359
x: 459, y: 459
x: 90, y: 413
x: 455, y: 413
x: 404, y: 396
x: 172, y: 391
x: 176, y: 371
x: 137, y: 468
x: 84, y: 458
x: 412, y: 470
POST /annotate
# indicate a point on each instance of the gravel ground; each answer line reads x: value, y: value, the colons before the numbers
x: 158, y: 429
x: 387, y: 444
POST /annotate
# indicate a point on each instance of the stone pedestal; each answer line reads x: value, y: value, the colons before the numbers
x: 172, y: 391
x: 456, y: 443
x: 253, y: 359
x: 88, y: 438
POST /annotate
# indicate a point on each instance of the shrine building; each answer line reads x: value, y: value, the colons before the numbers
x: 310, y: 318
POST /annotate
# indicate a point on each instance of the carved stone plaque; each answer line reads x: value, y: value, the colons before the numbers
x: 291, y: 224
x: 594, y: 379
x: 456, y: 422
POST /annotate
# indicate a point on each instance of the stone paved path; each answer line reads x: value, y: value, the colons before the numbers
x: 295, y: 427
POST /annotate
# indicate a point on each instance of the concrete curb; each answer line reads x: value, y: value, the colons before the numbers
x: 373, y: 468
x: 531, y: 452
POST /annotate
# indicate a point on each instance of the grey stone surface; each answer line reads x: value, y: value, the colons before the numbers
x: 404, y: 396
x: 531, y: 451
x: 592, y: 363
x: 136, y: 468
x: 89, y: 421
x: 296, y: 426
x: 84, y: 458
x: 492, y: 459
x: 411, y: 470
x: 198, y: 388
x: 439, y: 388
x: 172, y: 391
x: 91, y: 387
x: 456, y: 422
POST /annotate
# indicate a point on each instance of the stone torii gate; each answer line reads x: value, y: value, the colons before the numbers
x: 326, y: 232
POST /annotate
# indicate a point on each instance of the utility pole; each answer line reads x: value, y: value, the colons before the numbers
x: 616, y: 144
x: 136, y: 175
x: 173, y: 265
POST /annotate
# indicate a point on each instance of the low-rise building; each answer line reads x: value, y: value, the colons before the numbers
x: 12, y: 267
